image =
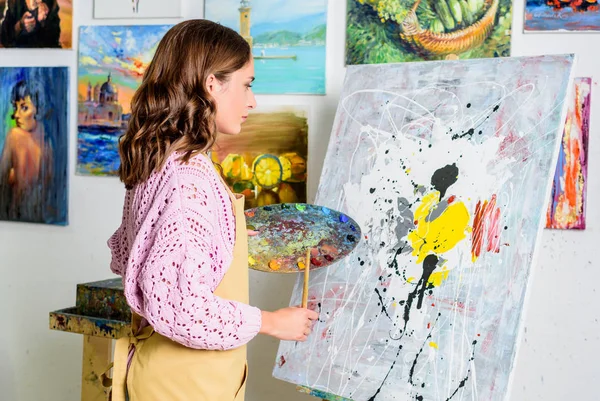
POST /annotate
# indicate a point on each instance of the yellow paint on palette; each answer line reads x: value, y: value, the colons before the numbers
x: 301, y: 265
x: 433, y: 345
x: 251, y: 261
x: 442, y: 233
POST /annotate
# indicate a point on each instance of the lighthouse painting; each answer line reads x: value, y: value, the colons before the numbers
x: 287, y: 40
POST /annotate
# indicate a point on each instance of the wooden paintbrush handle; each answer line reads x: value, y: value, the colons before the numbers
x: 306, y: 275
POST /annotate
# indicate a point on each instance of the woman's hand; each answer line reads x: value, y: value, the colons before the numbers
x: 291, y: 324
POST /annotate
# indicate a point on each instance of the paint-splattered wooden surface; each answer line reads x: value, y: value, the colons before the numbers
x: 287, y: 230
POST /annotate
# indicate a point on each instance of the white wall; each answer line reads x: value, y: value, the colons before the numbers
x: 40, y: 265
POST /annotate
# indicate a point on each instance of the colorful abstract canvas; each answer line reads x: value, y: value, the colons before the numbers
x: 567, y: 203
x: 267, y: 161
x: 112, y: 61
x: 114, y: 9
x: 388, y: 31
x: 287, y: 40
x: 34, y: 132
x: 447, y: 168
x: 36, y: 23
x: 561, y: 15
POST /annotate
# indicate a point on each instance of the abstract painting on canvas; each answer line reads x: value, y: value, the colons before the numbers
x: 137, y: 9
x: 447, y: 167
x: 561, y: 15
x: 267, y: 161
x: 112, y: 61
x: 287, y: 40
x: 567, y: 203
x: 34, y: 131
x: 389, y: 31
x: 36, y: 23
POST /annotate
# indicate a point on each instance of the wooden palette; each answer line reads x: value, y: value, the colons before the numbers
x: 287, y: 230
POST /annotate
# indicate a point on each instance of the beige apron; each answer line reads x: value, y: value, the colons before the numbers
x: 162, y: 369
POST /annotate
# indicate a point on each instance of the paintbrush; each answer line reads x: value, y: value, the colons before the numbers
x: 306, y: 275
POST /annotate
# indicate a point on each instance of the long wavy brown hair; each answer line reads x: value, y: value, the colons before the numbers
x: 172, y: 109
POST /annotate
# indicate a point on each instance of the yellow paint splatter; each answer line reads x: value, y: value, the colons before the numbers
x: 251, y: 261
x: 441, y: 234
x: 433, y: 345
x: 410, y: 279
x: 438, y: 277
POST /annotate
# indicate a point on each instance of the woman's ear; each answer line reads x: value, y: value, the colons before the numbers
x: 213, y: 85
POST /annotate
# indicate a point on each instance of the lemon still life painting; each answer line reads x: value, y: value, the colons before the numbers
x: 266, y: 162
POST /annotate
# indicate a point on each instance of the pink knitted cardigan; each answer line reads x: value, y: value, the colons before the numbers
x: 173, y: 248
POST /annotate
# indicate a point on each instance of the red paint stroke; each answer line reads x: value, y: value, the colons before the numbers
x: 486, y: 228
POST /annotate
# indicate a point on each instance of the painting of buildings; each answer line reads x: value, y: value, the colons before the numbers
x: 287, y: 41
x: 112, y: 61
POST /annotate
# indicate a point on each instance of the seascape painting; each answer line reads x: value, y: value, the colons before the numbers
x: 287, y: 41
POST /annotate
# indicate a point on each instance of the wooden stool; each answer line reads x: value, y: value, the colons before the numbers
x: 101, y: 314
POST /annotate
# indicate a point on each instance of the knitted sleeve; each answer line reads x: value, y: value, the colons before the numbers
x: 182, y: 269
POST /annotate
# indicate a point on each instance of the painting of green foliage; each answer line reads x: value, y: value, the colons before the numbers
x: 387, y: 31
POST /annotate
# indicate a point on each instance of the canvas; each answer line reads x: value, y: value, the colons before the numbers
x: 388, y: 31
x: 114, y: 9
x: 567, y: 202
x: 36, y: 23
x: 561, y: 15
x: 112, y: 61
x: 34, y: 131
x: 267, y: 161
x: 287, y: 40
x: 447, y: 168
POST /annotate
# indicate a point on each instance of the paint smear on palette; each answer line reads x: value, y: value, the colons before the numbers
x: 446, y: 167
x: 567, y: 205
x: 288, y: 230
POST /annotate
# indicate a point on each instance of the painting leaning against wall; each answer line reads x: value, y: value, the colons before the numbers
x: 112, y: 61
x: 33, y: 144
x: 267, y: 161
x: 567, y: 204
x: 387, y: 31
x: 36, y: 23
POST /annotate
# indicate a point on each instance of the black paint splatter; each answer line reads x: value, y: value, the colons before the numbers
x: 444, y: 177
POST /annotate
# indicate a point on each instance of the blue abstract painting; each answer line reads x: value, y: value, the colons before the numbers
x: 287, y: 40
x: 33, y: 144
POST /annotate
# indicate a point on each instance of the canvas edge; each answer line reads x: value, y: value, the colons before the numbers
x: 541, y: 225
